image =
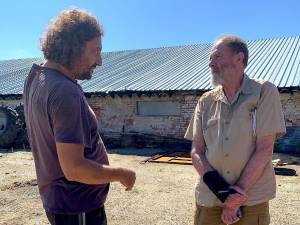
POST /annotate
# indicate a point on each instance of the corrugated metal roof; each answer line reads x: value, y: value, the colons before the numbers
x: 171, y: 68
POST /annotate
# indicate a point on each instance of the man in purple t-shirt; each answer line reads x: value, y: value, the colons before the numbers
x: 71, y: 162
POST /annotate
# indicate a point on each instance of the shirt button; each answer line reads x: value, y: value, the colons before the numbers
x: 226, y: 155
x: 228, y: 172
x: 227, y: 122
x: 226, y: 138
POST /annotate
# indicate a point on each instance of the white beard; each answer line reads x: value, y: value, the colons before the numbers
x: 216, y: 80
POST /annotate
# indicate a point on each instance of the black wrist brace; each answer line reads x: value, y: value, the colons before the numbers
x: 218, y: 185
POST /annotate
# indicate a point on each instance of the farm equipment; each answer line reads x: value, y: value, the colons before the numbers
x: 13, y: 131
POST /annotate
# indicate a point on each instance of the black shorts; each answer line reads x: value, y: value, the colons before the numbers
x: 95, y: 217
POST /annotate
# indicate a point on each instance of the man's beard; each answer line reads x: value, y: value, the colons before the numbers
x: 86, y: 75
x: 216, y: 79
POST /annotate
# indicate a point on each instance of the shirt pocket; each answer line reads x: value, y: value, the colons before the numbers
x: 245, y: 123
x: 212, y: 122
x: 210, y: 131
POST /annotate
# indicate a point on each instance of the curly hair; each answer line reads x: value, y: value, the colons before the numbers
x: 65, y: 38
x: 236, y: 44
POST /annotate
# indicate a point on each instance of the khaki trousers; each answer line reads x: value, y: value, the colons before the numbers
x: 251, y: 215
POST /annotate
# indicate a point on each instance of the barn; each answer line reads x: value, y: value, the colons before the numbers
x: 146, y: 97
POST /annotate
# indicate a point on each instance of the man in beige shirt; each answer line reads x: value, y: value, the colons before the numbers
x: 233, y: 130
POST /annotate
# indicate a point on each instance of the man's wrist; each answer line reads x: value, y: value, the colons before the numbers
x: 218, y: 185
x: 239, y: 190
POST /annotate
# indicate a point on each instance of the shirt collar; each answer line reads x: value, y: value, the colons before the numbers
x: 244, y: 89
x: 246, y: 85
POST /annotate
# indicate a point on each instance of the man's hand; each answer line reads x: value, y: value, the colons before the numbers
x: 234, y: 201
x: 128, y: 179
x: 230, y: 216
x: 231, y: 211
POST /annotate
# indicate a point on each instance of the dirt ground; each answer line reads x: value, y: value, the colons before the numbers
x: 163, y: 194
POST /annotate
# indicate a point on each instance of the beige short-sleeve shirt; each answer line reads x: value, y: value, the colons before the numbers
x: 230, y: 132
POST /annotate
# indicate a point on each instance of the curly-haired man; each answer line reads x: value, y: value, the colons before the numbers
x: 72, y: 167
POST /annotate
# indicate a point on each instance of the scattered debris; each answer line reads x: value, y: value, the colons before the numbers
x: 285, y: 171
x: 278, y: 162
x: 172, y: 158
x: 185, y: 159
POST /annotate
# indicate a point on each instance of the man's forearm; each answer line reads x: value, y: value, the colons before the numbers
x: 257, y: 163
x: 90, y: 172
x: 253, y: 170
x: 77, y: 168
x: 249, y: 177
x: 200, y: 161
x: 201, y: 164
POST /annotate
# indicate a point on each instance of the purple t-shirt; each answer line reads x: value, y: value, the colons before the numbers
x: 56, y: 110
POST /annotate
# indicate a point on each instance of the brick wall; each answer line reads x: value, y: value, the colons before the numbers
x: 12, y: 103
x: 114, y: 113
x: 119, y: 114
x: 291, y: 107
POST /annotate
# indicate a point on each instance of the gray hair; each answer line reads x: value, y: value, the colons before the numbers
x: 236, y: 44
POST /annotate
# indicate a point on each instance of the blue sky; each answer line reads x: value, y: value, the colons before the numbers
x: 139, y: 24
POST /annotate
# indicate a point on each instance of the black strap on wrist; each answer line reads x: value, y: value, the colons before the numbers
x: 218, y: 185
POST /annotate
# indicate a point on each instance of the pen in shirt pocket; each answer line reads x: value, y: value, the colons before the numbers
x: 253, y: 119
